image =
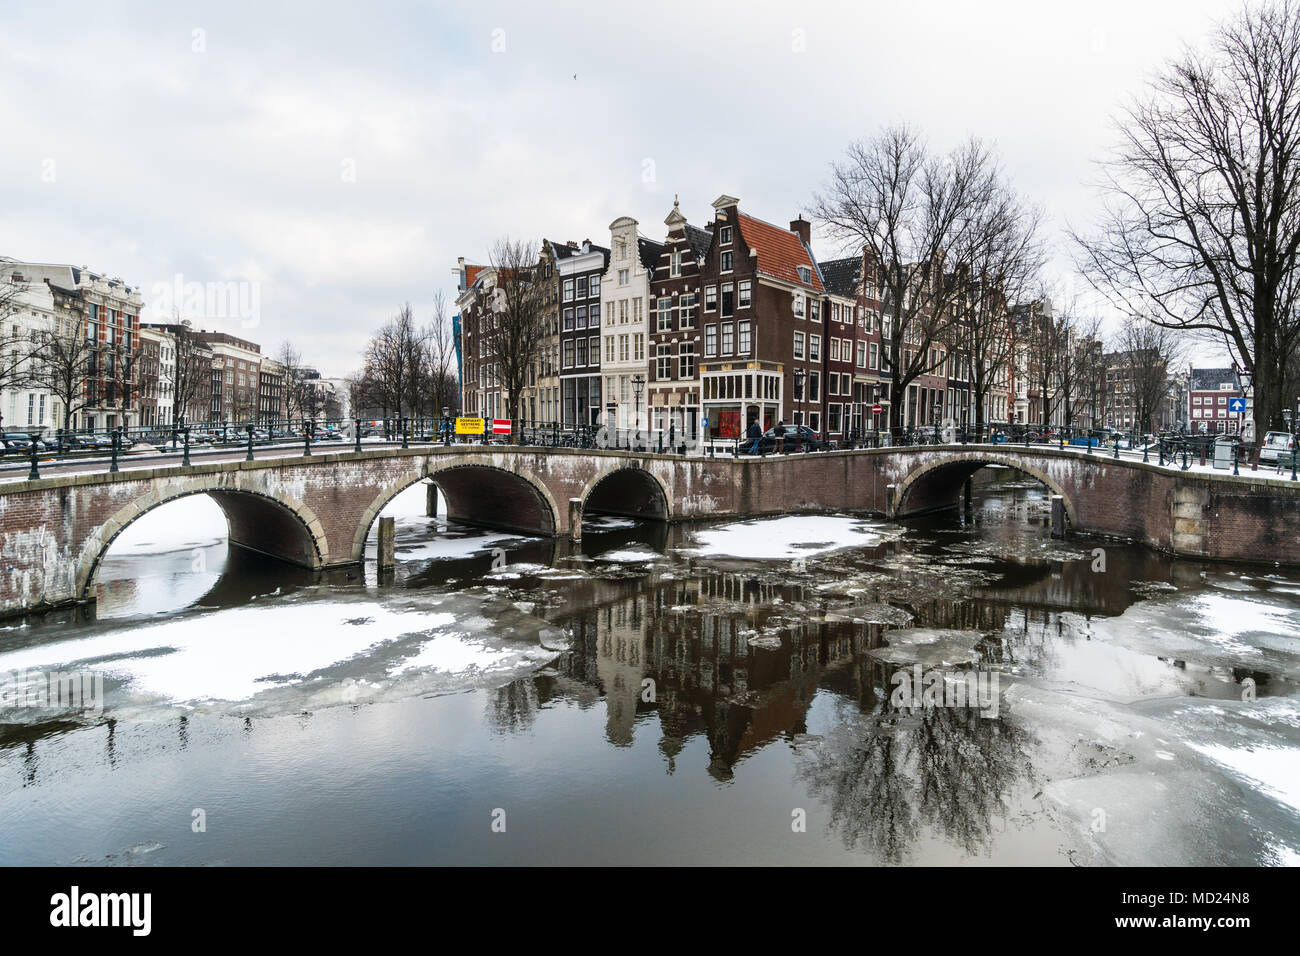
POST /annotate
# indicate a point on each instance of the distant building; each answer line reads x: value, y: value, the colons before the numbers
x: 1210, y: 393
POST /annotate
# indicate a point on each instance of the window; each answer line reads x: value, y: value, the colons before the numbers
x: 595, y: 349
x: 622, y: 277
x: 726, y: 261
x: 875, y: 355
x: 636, y: 309
x: 814, y: 310
x: 862, y: 355
x: 582, y: 351
x: 710, y: 298
x: 805, y: 274
x: 742, y: 346
x: 1196, y: 399
x: 833, y: 385
x: 582, y: 287
x: 834, y: 349
x: 665, y: 322
x: 622, y: 311
x: 638, y: 346
x: 798, y: 306
x: 568, y: 290
x: 609, y: 348
x: 727, y: 340
x: 744, y: 294
x: 582, y: 318
x: 798, y: 345
x: 595, y: 315
x: 710, y: 340
x: 622, y: 348
x: 686, y: 308
x: 675, y: 264
x: 568, y: 354
x: 724, y: 235
x: 686, y: 363
x: 728, y: 301
x: 814, y: 348
x: 814, y: 386
x: 663, y: 362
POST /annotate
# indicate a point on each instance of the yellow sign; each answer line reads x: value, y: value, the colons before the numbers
x: 469, y: 426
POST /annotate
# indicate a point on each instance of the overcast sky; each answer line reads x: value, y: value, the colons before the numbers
x: 337, y: 158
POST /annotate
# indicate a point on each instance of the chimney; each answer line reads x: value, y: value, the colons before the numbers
x: 804, y: 228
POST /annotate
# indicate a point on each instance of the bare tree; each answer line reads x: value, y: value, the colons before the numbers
x: 512, y: 332
x: 1201, y: 228
x: 192, y: 393
x: 1001, y: 255
x: 392, y: 363
x: 1145, y: 352
x: 292, y: 388
x: 67, y: 363
x: 440, y: 357
x: 911, y: 213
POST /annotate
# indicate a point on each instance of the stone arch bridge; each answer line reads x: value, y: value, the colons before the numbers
x: 316, y: 511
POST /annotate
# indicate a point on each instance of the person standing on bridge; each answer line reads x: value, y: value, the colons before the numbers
x: 755, y: 435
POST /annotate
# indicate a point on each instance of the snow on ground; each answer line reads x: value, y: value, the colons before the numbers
x: 795, y: 536
x: 191, y: 522
x: 231, y: 655
x: 629, y: 555
x: 1276, y: 770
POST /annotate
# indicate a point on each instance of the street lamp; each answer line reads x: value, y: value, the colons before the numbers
x: 638, y: 383
x: 799, y: 376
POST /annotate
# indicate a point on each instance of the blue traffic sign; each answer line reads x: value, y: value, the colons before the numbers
x: 1236, y: 405
x: 704, y: 423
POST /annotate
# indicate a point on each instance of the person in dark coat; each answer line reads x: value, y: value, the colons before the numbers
x: 755, y: 435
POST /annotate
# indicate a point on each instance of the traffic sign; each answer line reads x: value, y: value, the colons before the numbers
x: 1236, y: 405
x: 877, y: 409
x: 704, y: 423
x: 469, y: 426
x: 500, y: 426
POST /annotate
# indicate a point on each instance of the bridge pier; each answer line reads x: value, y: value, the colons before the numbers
x: 431, y: 500
x: 575, y: 519
x: 387, y: 542
x: 1058, y: 516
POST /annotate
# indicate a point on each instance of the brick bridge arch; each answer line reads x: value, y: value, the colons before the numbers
x: 933, y: 485
x: 629, y: 490
x: 467, y: 485
x: 248, y: 513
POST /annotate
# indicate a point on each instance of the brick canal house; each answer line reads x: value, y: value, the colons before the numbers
x: 579, y: 270
x: 739, y: 325
x: 673, y: 384
x: 1209, y: 392
x: 625, y: 294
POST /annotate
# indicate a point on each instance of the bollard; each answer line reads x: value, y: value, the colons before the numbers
x: 1058, y: 516
x: 356, y: 435
x: 406, y: 433
x: 575, y: 519
x: 185, y: 462
x: 387, y: 542
x: 117, y: 444
x: 250, y: 444
x: 34, y: 474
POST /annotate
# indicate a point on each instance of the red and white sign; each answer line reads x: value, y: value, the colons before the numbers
x: 500, y: 426
x: 877, y: 409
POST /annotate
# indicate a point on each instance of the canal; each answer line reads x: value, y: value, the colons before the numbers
x: 727, y: 692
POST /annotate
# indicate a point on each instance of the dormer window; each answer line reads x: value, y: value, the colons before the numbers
x: 805, y: 275
x: 724, y: 235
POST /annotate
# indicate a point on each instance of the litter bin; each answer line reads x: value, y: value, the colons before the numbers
x: 1225, y: 449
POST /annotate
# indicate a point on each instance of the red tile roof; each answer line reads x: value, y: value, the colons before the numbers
x: 780, y: 251
x: 471, y: 273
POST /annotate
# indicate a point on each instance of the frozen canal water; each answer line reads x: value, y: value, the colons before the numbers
x: 721, y: 693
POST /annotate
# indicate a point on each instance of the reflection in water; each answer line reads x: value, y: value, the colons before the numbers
x: 685, y: 675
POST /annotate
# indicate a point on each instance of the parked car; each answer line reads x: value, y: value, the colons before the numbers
x: 787, y: 438
x: 1274, y: 444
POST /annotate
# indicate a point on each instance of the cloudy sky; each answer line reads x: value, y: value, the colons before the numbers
x: 336, y: 158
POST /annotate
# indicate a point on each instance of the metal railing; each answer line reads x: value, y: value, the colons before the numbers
x: 29, y: 448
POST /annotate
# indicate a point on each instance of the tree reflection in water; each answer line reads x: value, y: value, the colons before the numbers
x: 886, y: 774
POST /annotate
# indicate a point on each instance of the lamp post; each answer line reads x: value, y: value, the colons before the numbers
x: 446, y: 425
x: 638, y: 383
